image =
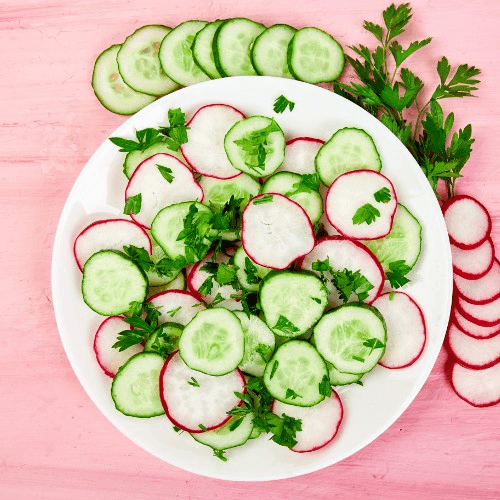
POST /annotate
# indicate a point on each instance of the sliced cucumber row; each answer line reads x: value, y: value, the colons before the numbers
x: 155, y: 59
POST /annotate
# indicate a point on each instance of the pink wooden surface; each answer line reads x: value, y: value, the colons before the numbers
x: 55, y: 444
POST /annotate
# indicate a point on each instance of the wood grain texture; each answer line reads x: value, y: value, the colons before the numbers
x: 55, y: 444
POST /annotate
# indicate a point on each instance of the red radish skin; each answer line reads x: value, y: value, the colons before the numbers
x: 480, y: 388
x: 200, y: 377
x: 350, y: 191
x: 410, y: 321
x: 482, y: 290
x: 249, y: 234
x: 483, y: 314
x: 472, y: 329
x: 467, y: 220
x: 229, y: 172
x: 109, y: 358
x: 141, y: 239
x: 184, y: 187
x: 473, y: 264
x: 378, y: 282
x: 300, y: 154
x: 475, y: 354
x: 170, y: 300
x: 329, y: 408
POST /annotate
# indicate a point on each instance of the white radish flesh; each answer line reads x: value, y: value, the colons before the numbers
x: 481, y: 290
x: 354, y: 191
x: 300, y: 154
x: 346, y: 254
x: 477, y: 387
x: 473, y: 353
x: 112, y: 234
x: 177, y: 306
x: 276, y: 232
x: 475, y: 263
x: 482, y: 314
x: 472, y: 329
x: 109, y: 358
x: 156, y: 191
x: 320, y: 423
x: 204, y: 150
x: 467, y: 221
x: 406, y: 331
x: 206, y: 404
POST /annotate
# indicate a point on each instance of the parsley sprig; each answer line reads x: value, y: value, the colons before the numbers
x: 393, y: 94
x: 281, y: 103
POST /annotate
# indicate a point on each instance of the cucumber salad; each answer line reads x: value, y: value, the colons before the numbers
x: 250, y: 275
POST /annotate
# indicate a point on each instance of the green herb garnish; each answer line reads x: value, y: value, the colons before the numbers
x: 383, y: 195
x: 166, y: 172
x: 397, y: 272
x: 282, y: 103
x: 133, y: 204
x: 365, y: 214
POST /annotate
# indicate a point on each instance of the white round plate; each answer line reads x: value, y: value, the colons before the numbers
x: 369, y: 409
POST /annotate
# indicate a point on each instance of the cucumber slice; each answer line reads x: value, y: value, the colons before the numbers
x: 315, y: 56
x: 176, y: 56
x: 340, y: 378
x: 212, y: 342
x: 136, y: 387
x: 225, y: 437
x: 404, y: 242
x: 135, y: 158
x: 352, y: 338
x: 256, y: 432
x: 241, y: 159
x: 167, y: 225
x: 257, y: 335
x: 269, y: 51
x: 203, y: 54
x: 113, y: 93
x: 296, y: 366
x: 138, y: 61
x: 292, y: 302
x: 348, y: 149
x: 155, y: 279
x: 219, y: 191
x: 171, y: 330
x: 241, y: 263
x: 178, y: 283
x: 232, y: 46
x: 286, y: 183
x: 111, y: 282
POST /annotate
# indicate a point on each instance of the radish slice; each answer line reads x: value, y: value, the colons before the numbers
x: 109, y: 358
x: 276, y: 231
x: 472, y: 329
x: 204, y: 150
x: 356, y: 194
x: 473, y: 353
x: 346, y: 254
x: 300, y: 154
x: 481, y: 314
x: 481, y: 290
x: 196, y: 278
x: 406, y: 332
x: 468, y: 222
x: 112, y: 234
x: 156, y: 191
x: 475, y: 263
x: 477, y: 387
x: 177, y: 306
x: 189, y: 406
x: 320, y: 423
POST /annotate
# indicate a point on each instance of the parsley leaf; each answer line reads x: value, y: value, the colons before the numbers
x: 325, y: 387
x: 286, y: 326
x: 383, y: 195
x: 202, y: 427
x: 264, y: 350
x: 176, y: 133
x: 145, y: 138
x: 166, y: 173
x: 274, y: 368
x: 282, y: 103
x: 220, y: 454
x: 348, y: 282
x: 133, y: 204
x: 365, y: 214
x: 291, y: 394
x: 173, y: 312
x: 166, y: 339
x: 396, y: 275
x: 357, y: 358
x: 250, y: 272
x: 266, y: 198
x: 193, y: 382
x: 373, y: 344
x: 307, y: 184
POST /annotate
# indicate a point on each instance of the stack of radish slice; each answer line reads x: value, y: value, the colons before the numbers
x: 473, y: 338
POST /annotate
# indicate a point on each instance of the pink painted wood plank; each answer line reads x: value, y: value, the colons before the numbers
x: 55, y: 444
